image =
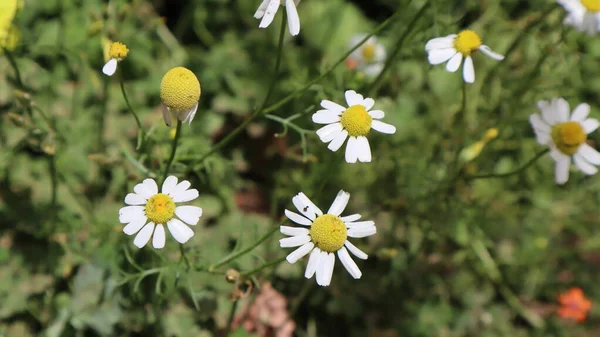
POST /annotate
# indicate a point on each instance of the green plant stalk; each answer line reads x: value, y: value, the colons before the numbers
x: 140, y: 134
x: 232, y: 312
x: 263, y: 266
x: 508, y: 174
x: 173, y: 150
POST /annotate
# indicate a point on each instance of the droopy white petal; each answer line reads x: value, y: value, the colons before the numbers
x: 313, y: 262
x: 297, y: 218
x: 440, y: 43
x: 352, y: 149
x: 292, y: 17
x: 169, y: 184
x: 332, y: 106
x: 166, y: 115
x: 189, y: 214
x: 561, y: 172
x: 361, y: 233
x: 321, y: 267
x: 350, y: 218
x: 187, y: 116
x: 589, y: 153
x: 269, y: 14
x: 188, y: 195
x: 488, y: 52
x: 179, y: 230
x: 110, y: 67
x: 368, y: 103
x: 293, y: 231
x: 376, y: 114
x: 325, y: 117
x: 364, y: 153
x: 352, y: 98
x: 260, y: 12
x: 348, y: 263
x: 338, y: 141
x: 354, y: 250
x: 583, y: 165
x: 590, y: 125
x: 439, y: 56
x: 339, y: 204
x: 128, y: 214
x: 561, y: 109
x: 383, y: 127
x: 300, y: 252
x: 151, y: 185
x: 328, y: 132
x: 158, y: 238
x: 454, y: 63
x: 580, y: 113
x: 142, y: 238
x: 134, y: 199
x: 135, y: 225
x: 469, y: 70
x: 294, y: 241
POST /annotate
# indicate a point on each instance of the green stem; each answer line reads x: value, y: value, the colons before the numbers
x: 398, y: 46
x: 54, y: 183
x: 234, y: 306
x: 263, y: 266
x: 184, y: 258
x: 140, y: 133
x: 517, y: 171
x: 173, y: 150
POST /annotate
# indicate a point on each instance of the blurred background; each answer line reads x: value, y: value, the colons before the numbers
x: 453, y: 257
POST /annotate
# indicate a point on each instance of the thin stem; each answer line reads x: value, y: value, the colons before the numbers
x: 398, y: 46
x: 507, y: 174
x: 263, y: 266
x: 137, y: 120
x: 173, y: 150
x: 234, y: 306
x: 184, y: 257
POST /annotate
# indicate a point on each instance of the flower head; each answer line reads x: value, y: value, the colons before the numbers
x: 566, y: 136
x: 584, y: 15
x: 179, y: 93
x: 355, y: 121
x: 268, y: 9
x: 453, y: 48
x: 369, y: 58
x: 117, y: 53
x: 573, y: 305
x: 327, y: 234
x: 149, y: 211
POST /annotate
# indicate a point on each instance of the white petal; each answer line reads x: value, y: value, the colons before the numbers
x: 297, y: 218
x: 590, y: 125
x: 561, y: 110
x: 322, y: 264
x: 383, y: 127
x: 338, y: 141
x: 332, y: 106
x: 352, y: 149
x: 179, y: 230
x: 580, y: 113
x: 143, y: 190
x: 368, y: 103
x: 189, y: 214
x: 354, y: 250
x: 537, y: 123
x: 169, y: 184
x: 328, y: 132
x: 339, y: 204
x: 134, y: 199
x: 294, y: 241
x: 151, y: 185
x: 589, y: 153
x: 180, y: 188
x: 352, y: 98
x: 110, y: 67
x: 454, y: 63
x: 293, y: 231
x: 306, y: 205
x: 188, y: 195
x: 469, y: 70
x: 488, y: 52
x: 142, y: 238
x: 166, y: 114
x: 364, y: 153
x: 313, y: 262
x: 158, y: 238
x: 325, y: 117
x: 561, y: 172
x: 440, y: 43
x: 361, y: 224
x: 361, y: 233
x: 260, y: 12
x: 328, y: 270
x: 439, y: 56
x: 187, y: 116
x: 300, y: 252
x: 269, y: 15
x: 583, y: 165
x: 350, y: 218
x: 135, y: 226
x: 128, y: 214
x: 348, y: 263
x: 292, y: 17
x: 376, y: 114
x: 547, y: 111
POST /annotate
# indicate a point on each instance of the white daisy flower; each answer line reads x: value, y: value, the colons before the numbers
x: 584, y: 15
x: 149, y: 211
x: 369, y: 58
x: 566, y: 136
x: 453, y: 48
x: 326, y: 235
x: 117, y: 53
x: 268, y: 8
x: 355, y: 121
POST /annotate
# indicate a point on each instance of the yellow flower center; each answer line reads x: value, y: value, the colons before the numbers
x: 368, y: 52
x: 591, y: 5
x: 160, y: 208
x: 467, y: 42
x: 118, y: 51
x: 356, y: 120
x: 180, y: 89
x: 568, y: 137
x: 328, y: 232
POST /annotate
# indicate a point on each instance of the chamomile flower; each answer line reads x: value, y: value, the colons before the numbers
x: 566, y: 136
x: 179, y: 93
x: 369, y: 58
x: 326, y: 235
x: 268, y: 9
x: 117, y: 53
x: 149, y: 211
x: 453, y: 48
x: 353, y: 123
x: 584, y: 15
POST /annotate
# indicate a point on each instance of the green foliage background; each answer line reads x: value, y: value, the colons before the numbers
x: 452, y: 257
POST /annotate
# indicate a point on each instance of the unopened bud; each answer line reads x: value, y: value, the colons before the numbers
x: 232, y: 276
